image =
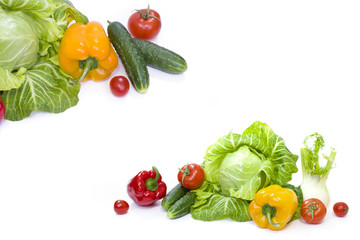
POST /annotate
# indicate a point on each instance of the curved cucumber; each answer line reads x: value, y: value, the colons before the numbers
x: 161, y: 58
x: 130, y: 55
x: 182, y: 206
x: 173, y: 196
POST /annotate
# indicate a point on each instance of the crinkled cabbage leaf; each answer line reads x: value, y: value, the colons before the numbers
x: 46, y: 88
x: 218, y: 207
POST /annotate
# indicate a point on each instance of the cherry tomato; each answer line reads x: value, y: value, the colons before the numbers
x: 2, y: 110
x: 191, y: 176
x: 340, y: 209
x: 144, y: 24
x: 121, y: 207
x: 119, y: 86
x: 313, y: 210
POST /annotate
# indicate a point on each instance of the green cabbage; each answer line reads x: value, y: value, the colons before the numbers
x: 30, y: 35
x: 236, y: 167
x: 243, y: 172
x: 19, y: 40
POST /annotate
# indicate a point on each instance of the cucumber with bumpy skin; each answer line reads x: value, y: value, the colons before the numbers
x: 182, y: 206
x: 173, y: 196
x: 130, y: 55
x: 161, y: 58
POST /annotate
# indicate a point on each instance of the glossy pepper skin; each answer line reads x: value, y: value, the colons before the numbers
x: 146, y: 187
x: 86, y: 53
x: 273, y: 207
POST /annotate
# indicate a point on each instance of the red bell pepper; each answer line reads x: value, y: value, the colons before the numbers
x: 146, y: 187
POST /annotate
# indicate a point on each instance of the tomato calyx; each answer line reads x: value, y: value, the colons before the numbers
x: 191, y: 176
x: 185, y: 172
x: 146, y: 15
x: 311, y: 208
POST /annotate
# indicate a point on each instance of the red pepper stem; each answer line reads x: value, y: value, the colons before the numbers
x: 152, y: 183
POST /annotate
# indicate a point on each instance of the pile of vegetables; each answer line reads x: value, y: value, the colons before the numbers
x: 136, y: 54
x: 243, y: 177
x: 239, y: 165
x: 44, y: 57
x: 30, y: 76
x: 246, y: 177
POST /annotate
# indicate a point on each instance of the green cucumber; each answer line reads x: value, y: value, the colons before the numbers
x: 130, y: 55
x: 161, y: 58
x: 182, y: 206
x: 174, y: 195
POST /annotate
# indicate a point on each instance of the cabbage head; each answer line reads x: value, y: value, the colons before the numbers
x: 236, y: 167
x: 19, y: 47
x: 19, y: 40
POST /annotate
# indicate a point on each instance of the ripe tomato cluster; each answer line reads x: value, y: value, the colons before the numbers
x: 314, y: 210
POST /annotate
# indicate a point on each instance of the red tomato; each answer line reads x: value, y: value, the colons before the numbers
x: 313, y: 211
x: 2, y: 110
x: 144, y: 24
x: 121, y: 207
x: 191, y: 176
x: 119, y: 86
x: 340, y: 209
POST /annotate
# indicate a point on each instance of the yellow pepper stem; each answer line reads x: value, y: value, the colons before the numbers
x: 269, y: 212
x: 87, y: 65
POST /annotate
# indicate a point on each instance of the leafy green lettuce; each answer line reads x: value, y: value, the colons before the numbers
x: 236, y: 167
x: 30, y: 76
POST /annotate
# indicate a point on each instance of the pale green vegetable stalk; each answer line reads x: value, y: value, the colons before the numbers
x: 315, y: 175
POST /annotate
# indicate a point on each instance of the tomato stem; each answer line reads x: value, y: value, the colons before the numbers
x: 185, y: 172
x: 147, y: 14
x: 311, y: 208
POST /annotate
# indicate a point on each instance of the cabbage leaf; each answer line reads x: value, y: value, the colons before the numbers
x: 46, y: 88
x: 219, y: 207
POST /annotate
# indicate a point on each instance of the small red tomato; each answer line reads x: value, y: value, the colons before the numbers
x: 313, y: 210
x: 144, y: 24
x: 2, y: 110
x: 121, y: 207
x: 340, y: 209
x: 191, y: 176
x: 119, y: 86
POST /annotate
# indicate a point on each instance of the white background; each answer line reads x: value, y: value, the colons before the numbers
x: 291, y: 64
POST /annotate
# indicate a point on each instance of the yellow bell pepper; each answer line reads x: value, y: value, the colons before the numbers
x: 273, y: 207
x: 85, y: 52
